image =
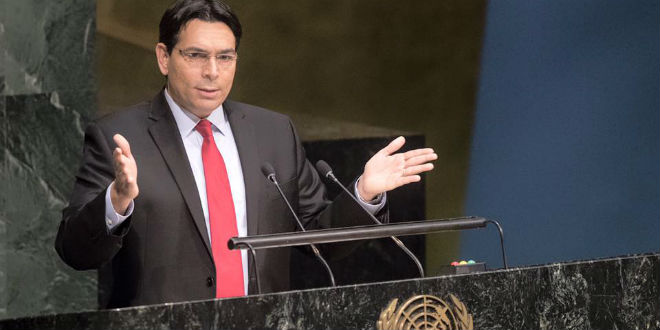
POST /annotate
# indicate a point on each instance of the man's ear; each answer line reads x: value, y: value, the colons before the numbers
x: 163, y: 58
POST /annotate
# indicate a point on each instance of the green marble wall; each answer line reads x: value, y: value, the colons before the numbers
x: 47, y: 93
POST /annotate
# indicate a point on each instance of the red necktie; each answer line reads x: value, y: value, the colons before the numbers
x: 222, y: 218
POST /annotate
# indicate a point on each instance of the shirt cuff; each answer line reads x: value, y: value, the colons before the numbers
x: 373, y: 206
x: 112, y: 218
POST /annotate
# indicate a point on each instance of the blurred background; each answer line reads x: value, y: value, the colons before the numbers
x: 545, y: 115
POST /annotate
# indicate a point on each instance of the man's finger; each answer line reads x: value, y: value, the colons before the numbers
x: 417, y: 152
x: 420, y: 159
x: 123, y: 144
x: 413, y: 170
x: 395, y: 145
x: 407, y: 179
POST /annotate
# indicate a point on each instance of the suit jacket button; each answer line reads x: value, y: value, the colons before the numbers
x: 209, y: 281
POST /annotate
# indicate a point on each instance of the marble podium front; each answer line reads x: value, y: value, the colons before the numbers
x: 612, y: 293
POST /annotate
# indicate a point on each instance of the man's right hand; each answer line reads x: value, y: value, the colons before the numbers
x: 125, y: 187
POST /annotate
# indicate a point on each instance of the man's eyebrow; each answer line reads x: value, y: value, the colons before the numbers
x: 195, y: 49
x: 200, y: 50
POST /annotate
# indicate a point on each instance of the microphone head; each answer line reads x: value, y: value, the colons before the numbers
x: 267, y: 169
x: 323, y: 168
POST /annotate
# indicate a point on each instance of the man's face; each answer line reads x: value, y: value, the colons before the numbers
x: 199, y: 86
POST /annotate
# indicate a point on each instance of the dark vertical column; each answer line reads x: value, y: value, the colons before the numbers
x: 47, y: 97
x: 373, y: 260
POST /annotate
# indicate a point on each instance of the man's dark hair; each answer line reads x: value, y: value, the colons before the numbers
x: 181, y: 12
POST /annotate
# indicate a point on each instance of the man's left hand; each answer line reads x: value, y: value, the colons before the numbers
x: 388, y: 170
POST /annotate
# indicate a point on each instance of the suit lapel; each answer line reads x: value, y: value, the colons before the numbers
x: 167, y: 138
x: 248, y: 151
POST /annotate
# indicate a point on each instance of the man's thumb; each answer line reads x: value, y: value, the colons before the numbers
x: 123, y: 144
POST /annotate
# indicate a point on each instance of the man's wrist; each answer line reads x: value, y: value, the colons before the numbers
x: 363, y: 195
x: 119, y: 204
x: 112, y: 217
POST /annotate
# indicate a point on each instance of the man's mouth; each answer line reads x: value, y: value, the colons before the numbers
x: 210, y: 92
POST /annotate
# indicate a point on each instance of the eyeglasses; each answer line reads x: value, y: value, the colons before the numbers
x: 198, y: 58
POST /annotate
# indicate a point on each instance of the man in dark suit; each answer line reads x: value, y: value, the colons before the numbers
x: 160, y: 236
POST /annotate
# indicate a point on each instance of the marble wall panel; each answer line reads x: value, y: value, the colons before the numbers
x: 3, y: 204
x: 3, y: 135
x: 59, y: 51
x: 44, y: 135
x: 2, y: 47
x: 47, y: 94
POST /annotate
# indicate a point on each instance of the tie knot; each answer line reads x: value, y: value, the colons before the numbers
x: 204, y: 128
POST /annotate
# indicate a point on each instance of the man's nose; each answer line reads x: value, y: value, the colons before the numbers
x: 211, y: 69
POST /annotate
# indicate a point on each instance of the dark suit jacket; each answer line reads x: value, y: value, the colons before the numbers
x: 162, y: 252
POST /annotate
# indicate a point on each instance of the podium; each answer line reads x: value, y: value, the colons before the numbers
x: 621, y: 292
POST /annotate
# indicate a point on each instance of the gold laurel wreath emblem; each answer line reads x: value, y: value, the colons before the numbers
x: 426, y: 312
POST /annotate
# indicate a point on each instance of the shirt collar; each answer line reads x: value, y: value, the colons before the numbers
x: 186, y: 120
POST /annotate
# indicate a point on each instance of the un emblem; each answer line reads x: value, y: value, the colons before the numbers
x: 426, y: 312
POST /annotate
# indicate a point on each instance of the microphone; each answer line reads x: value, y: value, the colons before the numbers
x: 269, y: 172
x: 325, y: 169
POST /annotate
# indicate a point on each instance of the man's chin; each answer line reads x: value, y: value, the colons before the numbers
x: 203, y: 109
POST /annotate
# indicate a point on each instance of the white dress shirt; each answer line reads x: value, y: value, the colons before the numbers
x: 224, y: 139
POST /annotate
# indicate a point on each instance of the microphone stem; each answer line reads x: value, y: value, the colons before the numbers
x: 254, y: 262
x: 302, y: 228
x: 373, y: 218
x: 277, y: 185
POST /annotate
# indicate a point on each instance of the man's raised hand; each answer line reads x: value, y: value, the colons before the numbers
x: 124, y: 188
x: 386, y: 170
